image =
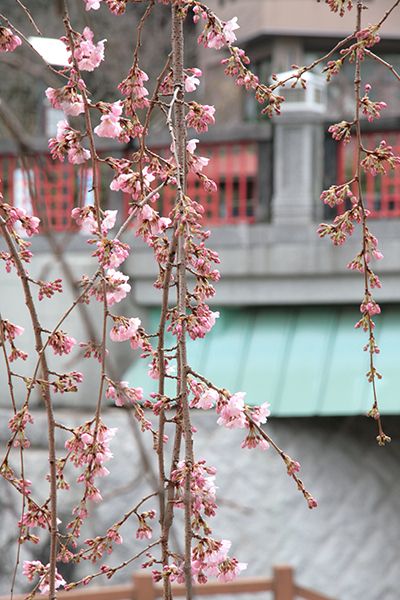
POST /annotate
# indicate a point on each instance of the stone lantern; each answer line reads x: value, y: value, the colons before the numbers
x: 299, y: 151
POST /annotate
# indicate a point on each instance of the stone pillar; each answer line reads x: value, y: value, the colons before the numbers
x: 298, y: 167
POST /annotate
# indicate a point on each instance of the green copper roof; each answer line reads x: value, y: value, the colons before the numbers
x: 304, y: 361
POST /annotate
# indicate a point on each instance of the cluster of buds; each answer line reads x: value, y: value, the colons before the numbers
x: 369, y: 108
x: 101, y: 544
x: 332, y: 68
x: 17, y: 425
x: 144, y: 530
x: 375, y: 159
x: 339, y: 5
x: 67, y: 382
x: 337, y: 194
x: 50, y: 288
x: 92, y: 348
x: 342, y: 224
x: 341, y: 131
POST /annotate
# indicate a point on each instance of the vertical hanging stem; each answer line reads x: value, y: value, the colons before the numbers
x: 180, y: 151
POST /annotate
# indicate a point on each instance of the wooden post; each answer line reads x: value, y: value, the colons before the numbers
x: 283, y: 582
x: 143, y: 587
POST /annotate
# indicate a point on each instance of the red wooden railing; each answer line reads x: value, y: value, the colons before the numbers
x: 382, y: 192
x: 281, y: 585
x: 51, y: 188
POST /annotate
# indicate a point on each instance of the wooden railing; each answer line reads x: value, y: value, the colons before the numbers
x: 282, y: 585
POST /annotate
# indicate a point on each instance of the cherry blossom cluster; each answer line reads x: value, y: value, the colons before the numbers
x: 88, y: 55
x: 134, y: 182
x: 133, y: 87
x: 66, y: 99
x: 35, y: 567
x: 122, y: 393
x: 200, y: 116
x: 113, y: 282
x: 12, y: 215
x: 129, y: 330
x: 98, y: 546
x: 232, y: 410
x: 61, y: 342
x: 144, y: 530
x: 68, y: 140
x: 210, y: 558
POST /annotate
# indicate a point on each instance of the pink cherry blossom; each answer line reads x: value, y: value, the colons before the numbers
x: 154, y: 372
x: 110, y: 253
x: 88, y: 55
x: 122, y: 393
x: 232, y: 413
x: 66, y: 99
x: 208, y: 399
x: 117, y: 288
x: 8, y: 40
x: 84, y: 218
x: 125, y: 331
x: 33, y: 567
x: 77, y: 155
x: 110, y: 217
x: 109, y: 126
x: 195, y: 163
x: 95, y: 4
x: 150, y: 222
x: 200, y: 116
x: 191, y: 82
x: 229, y: 27
x: 260, y: 414
x: 61, y: 343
